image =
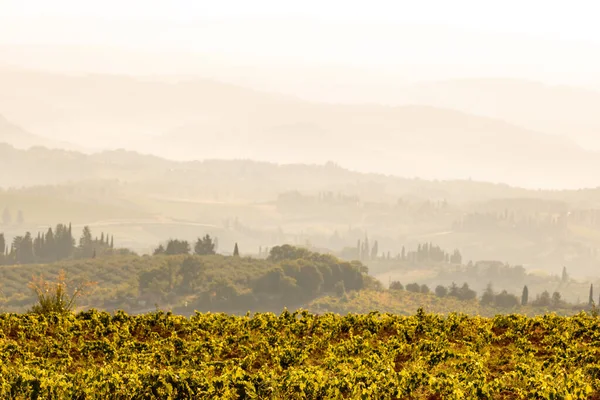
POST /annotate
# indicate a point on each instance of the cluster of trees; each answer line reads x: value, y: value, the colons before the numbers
x: 510, y: 277
x: 289, y: 276
x: 489, y: 297
x: 365, y: 252
x: 204, y: 246
x: 460, y: 292
x: 425, y: 252
x: 589, y: 217
x: 7, y: 217
x: 53, y: 245
x: 528, y: 222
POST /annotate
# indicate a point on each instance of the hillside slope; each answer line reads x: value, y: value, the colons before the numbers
x: 200, y: 119
x: 17, y: 137
x: 554, y: 109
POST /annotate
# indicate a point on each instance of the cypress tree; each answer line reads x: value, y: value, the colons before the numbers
x: 236, y: 251
x: 591, y: 300
x: 6, y: 216
x: 525, y: 296
x: 375, y: 251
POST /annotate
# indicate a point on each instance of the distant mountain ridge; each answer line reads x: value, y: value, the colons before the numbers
x: 251, y: 180
x: 554, y: 109
x: 203, y: 119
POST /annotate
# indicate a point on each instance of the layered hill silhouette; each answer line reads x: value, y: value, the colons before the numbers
x: 241, y: 179
x: 202, y: 119
x: 19, y: 138
x: 554, y: 109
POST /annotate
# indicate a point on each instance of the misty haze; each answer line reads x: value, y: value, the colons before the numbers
x: 304, y: 199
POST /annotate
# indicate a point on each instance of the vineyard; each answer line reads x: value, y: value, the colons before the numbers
x: 97, y: 355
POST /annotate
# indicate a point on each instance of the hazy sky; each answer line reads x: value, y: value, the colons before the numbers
x: 558, y: 19
x: 551, y: 40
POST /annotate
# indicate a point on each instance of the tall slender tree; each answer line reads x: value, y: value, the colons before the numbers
x: 236, y: 251
x: 20, y: 218
x: 525, y: 296
x: 591, y: 299
x: 6, y: 216
x: 375, y: 251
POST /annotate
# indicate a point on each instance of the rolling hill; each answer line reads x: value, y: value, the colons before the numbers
x: 554, y: 109
x: 203, y: 119
x: 18, y: 137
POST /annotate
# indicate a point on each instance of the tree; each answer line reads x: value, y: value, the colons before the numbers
x: 441, y: 291
x: 525, y: 296
x: 339, y: 288
x: 49, y: 245
x: 375, y: 251
x: 308, y: 277
x: 425, y: 289
x: 456, y: 257
x: 565, y: 276
x: 453, y: 291
x: 591, y: 299
x: 236, y: 251
x: 396, y: 285
x: 159, y: 250
x: 413, y: 287
x: 542, y: 300
x: 403, y: 254
x: 64, y: 242
x: 506, y: 300
x: 6, y: 216
x: 22, y: 249
x: 191, y: 270
x: 556, y: 300
x: 287, y: 252
x: 205, y: 246
x: 175, y: 246
x: 488, y: 296
x: 86, y: 244
x: 20, y: 218
x: 462, y: 293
